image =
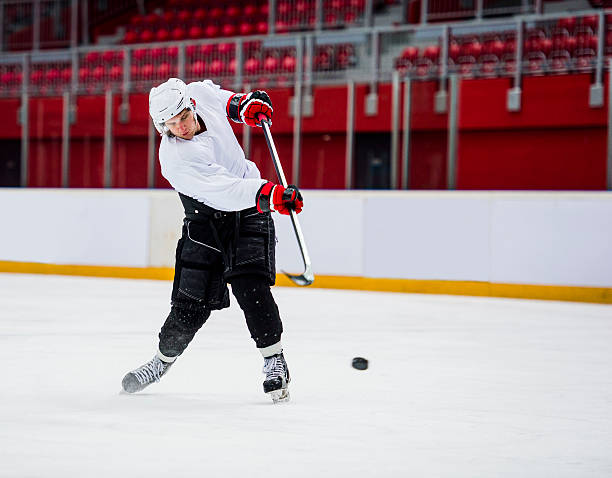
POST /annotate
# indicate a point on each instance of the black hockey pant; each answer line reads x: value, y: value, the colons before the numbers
x: 255, y: 299
x: 218, y: 248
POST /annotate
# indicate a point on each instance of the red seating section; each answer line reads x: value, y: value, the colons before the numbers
x: 186, y: 20
x: 564, y: 46
x: 183, y: 21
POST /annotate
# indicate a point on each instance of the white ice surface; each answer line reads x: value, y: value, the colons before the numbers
x: 457, y: 387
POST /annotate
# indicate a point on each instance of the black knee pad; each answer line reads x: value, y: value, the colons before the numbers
x: 260, y: 310
x: 180, y: 327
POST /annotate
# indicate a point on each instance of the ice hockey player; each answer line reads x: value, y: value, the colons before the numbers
x: 228, y: 232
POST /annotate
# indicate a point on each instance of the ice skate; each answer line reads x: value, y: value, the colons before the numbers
x: 145, y: 375
x: 277, y: 378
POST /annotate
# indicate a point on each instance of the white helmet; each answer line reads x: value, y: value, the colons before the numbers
x: 166, y: 101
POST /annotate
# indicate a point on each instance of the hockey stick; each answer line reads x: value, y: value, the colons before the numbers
x: 306, y: 277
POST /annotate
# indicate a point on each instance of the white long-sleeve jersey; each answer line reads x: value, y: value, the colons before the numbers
x: 211, y: 167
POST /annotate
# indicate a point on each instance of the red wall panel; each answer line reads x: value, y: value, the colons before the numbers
x: 130, y: 163
x: 45, y: 168
x: 323, y: 159
x: 10, y: 126
x: 547, y: 101
x: 533, y: 159
x: 427, y: 160
x: 45, y: 129
x: 87, y: 162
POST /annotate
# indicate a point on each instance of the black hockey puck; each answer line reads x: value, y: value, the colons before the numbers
x: 360, y: 363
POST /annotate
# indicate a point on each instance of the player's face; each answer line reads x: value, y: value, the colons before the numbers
x: 183, y: 124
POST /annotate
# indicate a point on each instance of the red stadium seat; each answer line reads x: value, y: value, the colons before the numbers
x: 216, y: 67
x: 97, y: 73
x: 140, y: 54
x: 232, y: 67
x: 216, y: 13
x: 568, y: 24
x: 108, y: 56
x: 251, y: 66
x: 262, y: 28
x: 454, y: 51
x: 146, y: 36
x: 246, y: 28
x: 490, y: 67
x: 92, y: 57
x: 195, y: 32
x: 232, y: 12
x: 289, y: 63
x: 283, y: 8
x: 271, y: 64
x: 207, y: 49
x: 410, y: 53
x: 536, y: 63
x: 211, y: 31
x: 281, y: 27
x: 171, y: 52
x: 494, y: 47
x: 590, y: 22
x: 560, y: 62
x: 163, y: 70
x: 156, y: 54
x: 191, y: 50
x: 350, y: 18
x: 183, y: 16
x: 323, y: 61
x: 249, y: 10
x: 151, y: 19
x: 432, y: 52
x: 130, y: 37
x: 134, y: 72
x: 66, y: 74
x: 199, y: 15
x: 36, y: 76
x: 228, y: 30
x: 198, y: 68
x: 52, y: 75
x: 84, y: 74
x: 116, y: 73
x: 162, y: 35
x: 7, y: 77
x: 178, y: 33
x: 331, y: 19
x: 545, y: 46
x: 146, y: 71
x: 225, y: 48
x: 168, y: 16
x: 474, y: 49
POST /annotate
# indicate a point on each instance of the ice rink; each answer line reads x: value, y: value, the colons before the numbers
x: 457, y: 386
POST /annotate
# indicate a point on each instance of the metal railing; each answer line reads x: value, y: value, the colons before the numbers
x: 527, y: 45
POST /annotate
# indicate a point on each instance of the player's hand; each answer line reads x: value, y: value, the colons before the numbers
x: 252, y: 105
x: 274, y: 197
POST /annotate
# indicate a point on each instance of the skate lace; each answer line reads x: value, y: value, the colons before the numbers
x: 274, y: 367
x: 152, y: 370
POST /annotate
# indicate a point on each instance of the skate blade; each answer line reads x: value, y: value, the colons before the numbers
x: 279, y: 396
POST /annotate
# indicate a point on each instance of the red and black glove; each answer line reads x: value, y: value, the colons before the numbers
x: 252, y: 105
x: 274, y: 197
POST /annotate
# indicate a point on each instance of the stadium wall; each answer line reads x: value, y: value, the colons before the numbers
x: 509, y: 244
x: 556, y: 141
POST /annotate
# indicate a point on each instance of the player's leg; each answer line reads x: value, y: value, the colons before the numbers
x: 198, y: 288
x: 253, y: 294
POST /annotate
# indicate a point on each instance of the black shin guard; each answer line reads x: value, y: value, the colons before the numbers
x: 180, y: 327
x: 255, y: 298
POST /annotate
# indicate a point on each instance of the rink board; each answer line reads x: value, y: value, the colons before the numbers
x: 509, y: 244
